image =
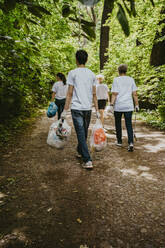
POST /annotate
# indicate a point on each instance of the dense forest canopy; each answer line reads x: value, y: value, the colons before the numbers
x: 39, y: 39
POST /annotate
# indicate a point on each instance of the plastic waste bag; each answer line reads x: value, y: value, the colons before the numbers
x: 52, y: 110
x: 98, y: 140
x: 59, y: 133
x: 107, y: 113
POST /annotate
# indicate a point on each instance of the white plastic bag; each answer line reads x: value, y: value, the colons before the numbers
x: 59, y: 133
x: 107, y: 113
x: 98, y: 140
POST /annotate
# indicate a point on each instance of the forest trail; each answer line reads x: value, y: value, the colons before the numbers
x: 48, y: 201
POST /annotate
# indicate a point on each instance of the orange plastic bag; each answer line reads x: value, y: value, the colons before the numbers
x: 98, y: 138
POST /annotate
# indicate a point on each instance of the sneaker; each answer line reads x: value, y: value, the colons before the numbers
x: 88, y: 165
x: 118, y: 144
x: 130, y: 147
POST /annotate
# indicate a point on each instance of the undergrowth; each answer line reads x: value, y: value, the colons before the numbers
x: 152, y: 117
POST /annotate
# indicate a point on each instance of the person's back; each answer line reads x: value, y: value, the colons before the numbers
x: 83, y: 80
x: 61, y: 90
x: 102, y: 91
x: 123, y: 92
x: 124, y: 85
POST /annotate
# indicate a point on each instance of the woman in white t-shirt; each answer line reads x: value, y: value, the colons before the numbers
x: 102, y: 93
x: 124, y: 96
x: 59, y: 90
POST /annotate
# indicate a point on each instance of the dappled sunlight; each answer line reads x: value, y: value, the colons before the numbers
x: 143, y: 168
x: 147, y: 176
x: 155, y: 148
x: 2, y: 195
x: 129, y: 172
x: 137, y: 172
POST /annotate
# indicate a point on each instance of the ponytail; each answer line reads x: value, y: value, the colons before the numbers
x: 62, y: 77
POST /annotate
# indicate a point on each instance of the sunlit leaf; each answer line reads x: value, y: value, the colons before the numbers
x: 26, y: 28
x: 5, y: 37
x: 121, y: 16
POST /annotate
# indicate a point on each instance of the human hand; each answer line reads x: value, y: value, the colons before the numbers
x: 136, y: 108
x: 63, y: 114
x: 110, y: 109
x: 98, y: 115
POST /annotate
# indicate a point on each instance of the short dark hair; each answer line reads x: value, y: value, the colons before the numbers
x: 122, y: 68
x: 82, y: 57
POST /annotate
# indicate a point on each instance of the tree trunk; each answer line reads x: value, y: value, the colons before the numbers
x: 104, y: 33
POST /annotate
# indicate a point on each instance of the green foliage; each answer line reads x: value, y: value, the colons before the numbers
x: 152, y: 118
x: 121, y: 16
x: 161, y: 109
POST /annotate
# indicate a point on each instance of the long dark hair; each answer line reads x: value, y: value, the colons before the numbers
x: 62, y: 77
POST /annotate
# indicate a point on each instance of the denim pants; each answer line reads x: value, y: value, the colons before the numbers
x: 128, y: 123
x: 81, y: 120
x: 60, y: 104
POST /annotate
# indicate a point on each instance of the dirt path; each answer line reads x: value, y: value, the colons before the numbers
x: 48, y: 201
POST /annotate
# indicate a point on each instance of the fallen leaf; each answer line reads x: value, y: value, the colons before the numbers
x: 79, y: 220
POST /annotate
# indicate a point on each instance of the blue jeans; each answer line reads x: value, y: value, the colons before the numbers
x: 81, y: 120
x: 128, y: 123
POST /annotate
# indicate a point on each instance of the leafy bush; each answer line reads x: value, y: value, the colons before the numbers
x: 161, y: 109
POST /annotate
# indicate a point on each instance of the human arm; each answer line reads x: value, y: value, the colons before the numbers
x: 53, y: 96
x: 95, y: 98
x: 108, y: 98
x: 113, y: 98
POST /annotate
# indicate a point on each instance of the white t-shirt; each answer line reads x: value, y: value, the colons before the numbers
x: 83, y: 81
x: 102, y: 91
x: 124, y: 86
x: 60, y: 89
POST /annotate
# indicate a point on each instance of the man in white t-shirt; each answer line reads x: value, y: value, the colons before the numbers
x: 123, y: 93
x: 81, y: 93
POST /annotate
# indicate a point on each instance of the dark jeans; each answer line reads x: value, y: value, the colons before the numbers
x: 128, y: 123
x: 60, y: 104
x: 81, y: 120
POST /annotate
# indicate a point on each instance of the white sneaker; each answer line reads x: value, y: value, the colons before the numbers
x: 118, y: 144
x: 130, y: 147
x: 88, y: 165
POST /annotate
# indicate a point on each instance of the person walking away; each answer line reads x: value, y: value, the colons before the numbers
x: 81, y: 93
x: 59, y: 90
x: 102, y: 93
x: 124, y: 91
